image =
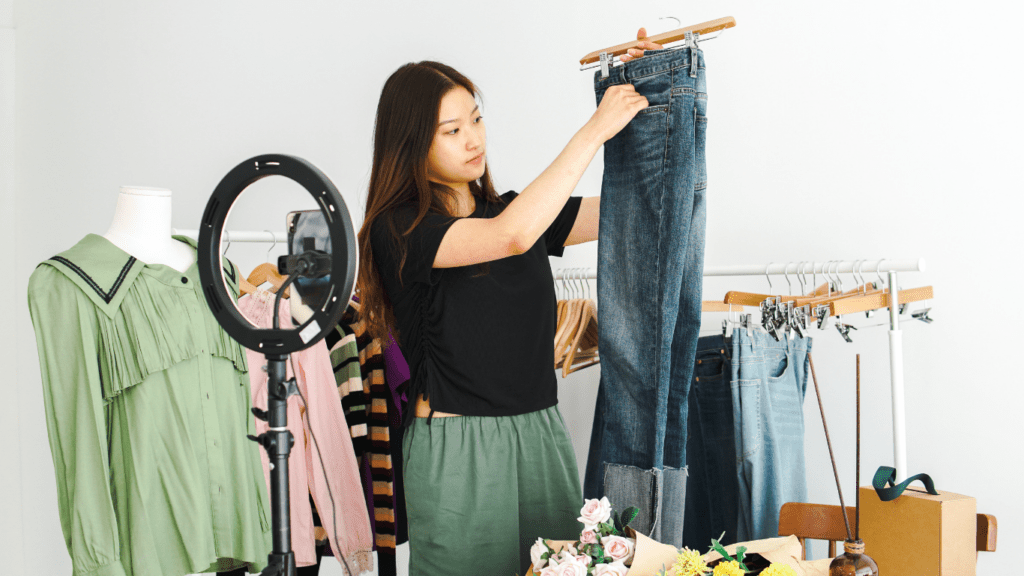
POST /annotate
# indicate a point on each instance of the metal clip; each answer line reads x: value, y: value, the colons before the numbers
x: 844, y: 330
x: 922, y: 315
x: 691, y: 39
x: 822, y: 313
x: 606, y: 63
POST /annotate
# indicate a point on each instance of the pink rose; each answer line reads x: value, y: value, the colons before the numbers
x: 588, y: 537
x: 619, y: 548
x: 595, y: 512
x: 613, y: 569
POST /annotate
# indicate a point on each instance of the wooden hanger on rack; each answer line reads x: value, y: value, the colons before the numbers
x: 663, y: 38
x: 267, y: 272
x: 245, y: 287
x: 716, y: 306
x: 583, y: 349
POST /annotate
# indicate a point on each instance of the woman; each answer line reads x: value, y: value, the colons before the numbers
x: 461, y: 276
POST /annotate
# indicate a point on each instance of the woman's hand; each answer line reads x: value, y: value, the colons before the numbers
x: 642, y: 44
x: 618, y: 106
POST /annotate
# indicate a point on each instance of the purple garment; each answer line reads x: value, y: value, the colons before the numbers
x: 396, y: 372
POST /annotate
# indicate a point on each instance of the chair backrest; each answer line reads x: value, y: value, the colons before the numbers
x: 825, y: 522
x: 817, y: 522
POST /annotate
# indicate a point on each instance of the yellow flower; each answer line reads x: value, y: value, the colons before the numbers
x: 730, y: 568
x: 779, y: 570
x: 690, y: 563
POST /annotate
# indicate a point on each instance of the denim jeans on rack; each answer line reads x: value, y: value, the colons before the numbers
x: 712, y: 491
x: 768, y: 387
x: 649, y: 275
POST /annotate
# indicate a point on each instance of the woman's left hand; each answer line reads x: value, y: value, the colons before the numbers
x: 642, y: 44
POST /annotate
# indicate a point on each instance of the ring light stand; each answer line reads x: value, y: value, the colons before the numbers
x: 336, y: 266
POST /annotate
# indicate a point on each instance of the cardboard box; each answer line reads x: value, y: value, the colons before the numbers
x: 919, y: 534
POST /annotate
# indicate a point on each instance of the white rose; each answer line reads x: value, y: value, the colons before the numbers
x: 595, y: 512
x: 613, y: 569
x: 570, y: 566
x: 551, y: 569
x: 536, y: 552
x: 619, y: 548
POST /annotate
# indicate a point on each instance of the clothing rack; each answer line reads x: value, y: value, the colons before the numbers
x: 241, y: 235
x: 801, y: 269
x: 890, y: 267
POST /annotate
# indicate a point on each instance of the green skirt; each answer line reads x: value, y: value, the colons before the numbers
x: 480, y: 490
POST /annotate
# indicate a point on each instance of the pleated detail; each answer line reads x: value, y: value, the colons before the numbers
x: 153, y: 330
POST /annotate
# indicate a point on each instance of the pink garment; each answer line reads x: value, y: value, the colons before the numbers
x: 315, y: 378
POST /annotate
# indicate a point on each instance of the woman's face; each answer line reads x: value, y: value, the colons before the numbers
x: 456, y: 155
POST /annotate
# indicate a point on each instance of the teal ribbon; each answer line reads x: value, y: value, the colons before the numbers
x: 887, y: 475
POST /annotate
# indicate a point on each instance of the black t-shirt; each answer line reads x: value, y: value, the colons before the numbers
x: 478, y: 339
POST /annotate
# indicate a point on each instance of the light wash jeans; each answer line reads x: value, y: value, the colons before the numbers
x: 649, y: 276
x: 769, y: 383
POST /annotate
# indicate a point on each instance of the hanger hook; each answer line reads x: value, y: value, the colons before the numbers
x: 860, y: 273
x: 881, y: 282
x: 839, y: 277
x: 785, y: 272
x: 800, y: 277
x: 589, y: 295
x: 228, y: 236
x: 770, y: 288
x: 679, y: 23
x: 269, y: 250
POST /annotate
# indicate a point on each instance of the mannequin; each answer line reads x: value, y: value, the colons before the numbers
x: 142, y: 228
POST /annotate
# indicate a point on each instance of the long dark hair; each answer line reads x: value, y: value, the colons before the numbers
x: 407, y: 117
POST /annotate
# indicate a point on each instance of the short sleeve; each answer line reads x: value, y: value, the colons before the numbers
x: 558, y: 232
x: 421, y: 245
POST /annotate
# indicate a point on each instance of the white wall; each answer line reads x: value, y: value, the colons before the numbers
x: 11, y: 542
x: 836, y: 131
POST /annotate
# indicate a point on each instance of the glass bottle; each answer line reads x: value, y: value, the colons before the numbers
x: 853, y: 562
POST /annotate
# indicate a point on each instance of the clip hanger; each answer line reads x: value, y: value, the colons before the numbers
x: 607, y: 60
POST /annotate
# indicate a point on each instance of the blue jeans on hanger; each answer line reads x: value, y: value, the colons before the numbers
x: 769, y: 382
x: 712, y: 491
x: 649, y: 277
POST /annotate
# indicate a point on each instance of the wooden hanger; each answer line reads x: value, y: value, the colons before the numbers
x: 583, y: 351
x: 567, y: 329
x: 245, y: 287
x: 878, y: 300
x: 663, y: 38
x: 267, y: 272
x: 715, y: 306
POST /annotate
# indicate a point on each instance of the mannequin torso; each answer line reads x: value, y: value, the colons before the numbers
x: 142, y: 228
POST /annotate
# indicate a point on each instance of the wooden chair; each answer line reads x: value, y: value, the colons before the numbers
x: 825, y: 522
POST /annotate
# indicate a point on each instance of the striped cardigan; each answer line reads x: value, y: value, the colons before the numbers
x: 373, y: 422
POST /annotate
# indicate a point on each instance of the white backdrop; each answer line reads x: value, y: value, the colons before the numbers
x: 836, y: 130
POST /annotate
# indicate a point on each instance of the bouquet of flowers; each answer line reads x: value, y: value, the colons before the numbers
x: 604, y: 548
x: 692, y: 563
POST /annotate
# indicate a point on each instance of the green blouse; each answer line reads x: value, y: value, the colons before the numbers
x: 147, y: 410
